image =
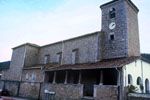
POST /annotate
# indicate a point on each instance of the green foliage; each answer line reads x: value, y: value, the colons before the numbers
x: 132, y: 89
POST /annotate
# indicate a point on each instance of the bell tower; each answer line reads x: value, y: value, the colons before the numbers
x: 120, y: 33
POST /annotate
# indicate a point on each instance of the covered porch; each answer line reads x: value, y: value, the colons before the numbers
x: 83, y: 83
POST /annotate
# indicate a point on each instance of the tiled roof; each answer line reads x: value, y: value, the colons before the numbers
x: 111, y: 63
x: 4, y: 65
x: 145, y: 57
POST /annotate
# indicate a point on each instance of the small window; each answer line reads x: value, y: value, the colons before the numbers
x: 59, y: 57
x: 74, y: 56
x: 112, y: 13
x: 139, y: 81
x: 130, y: 80
x: 46, y: 59
x: 27, y: 76
x: 111, y: 36
x: 33, y: 77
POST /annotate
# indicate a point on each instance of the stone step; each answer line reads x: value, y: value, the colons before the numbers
x: 87, y: 98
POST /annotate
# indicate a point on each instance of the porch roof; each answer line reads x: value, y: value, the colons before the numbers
x: 111, y: 63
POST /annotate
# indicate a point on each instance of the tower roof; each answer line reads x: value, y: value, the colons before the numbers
x: 128, y: 1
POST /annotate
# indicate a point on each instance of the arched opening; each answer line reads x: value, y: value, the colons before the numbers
x: 139, y: 81
x: 130, y: 80
x: 112, y: 13
x: 147, y: 90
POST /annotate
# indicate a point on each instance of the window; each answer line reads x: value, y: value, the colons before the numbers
x: 33, y: 77
x: 74, y: 56
x: 111, y: 36
x: 147, y: 89
x: 46, y: 59
x: 139, y: 81
x: 27, y: 76
x: 59, y: 57
x: 112, y: 13
x: 130, y: 80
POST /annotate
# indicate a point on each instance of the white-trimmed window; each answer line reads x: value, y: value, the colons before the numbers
x: 46, y: 59
x: 27, y: 76
x: 59, y: 57
x: 74, y: 56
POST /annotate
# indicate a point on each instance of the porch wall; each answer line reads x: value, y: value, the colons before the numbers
x: 63, y: 92
x: 105, y: 92
x: 29, y: 90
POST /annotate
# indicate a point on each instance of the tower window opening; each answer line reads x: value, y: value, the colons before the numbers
x: 111, y: 36
x: 112, y: 13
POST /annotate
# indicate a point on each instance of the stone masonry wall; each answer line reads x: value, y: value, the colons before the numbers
x: 88, y: 49
x: 117, y: 47
x: 103, y: 92
x: 63, y: 92
x: 12, y: 87
x: 31, y: 57
x: 32, y: 75
x: 29, y: 90
x: 16, y: 65
x: 133, y: 31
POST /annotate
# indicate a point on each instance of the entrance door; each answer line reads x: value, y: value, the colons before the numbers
x: 88, y: 90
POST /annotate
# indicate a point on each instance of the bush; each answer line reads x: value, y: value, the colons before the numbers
x: 132, y: 89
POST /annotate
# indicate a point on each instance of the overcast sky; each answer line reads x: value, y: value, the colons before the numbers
x: 46, y: 21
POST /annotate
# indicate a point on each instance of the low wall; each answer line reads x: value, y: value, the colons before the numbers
x: 29, y: 90
x: 105, y: 92
x: 63, y: 92
x: 12, y: 87
x: 133, y: 96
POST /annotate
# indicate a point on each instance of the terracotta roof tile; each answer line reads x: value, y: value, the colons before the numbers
x: 111, y: 63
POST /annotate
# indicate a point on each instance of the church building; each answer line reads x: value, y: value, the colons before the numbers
x: 102, y: 65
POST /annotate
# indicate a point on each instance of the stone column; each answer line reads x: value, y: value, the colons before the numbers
x: 66, y: 77
x: 79, y: 81
x: 101, y: 78
x: 54, y: 78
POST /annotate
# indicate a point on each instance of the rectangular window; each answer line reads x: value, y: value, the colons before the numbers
x: 74, y: 56
x: 46, y: 59
x: 112, y: 36
x: 59, y: 57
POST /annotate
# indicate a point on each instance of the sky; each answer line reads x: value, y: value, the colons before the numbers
x: 47, y: 21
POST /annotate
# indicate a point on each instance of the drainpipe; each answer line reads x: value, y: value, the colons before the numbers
x: 142, y: 75
x: 62, y: 52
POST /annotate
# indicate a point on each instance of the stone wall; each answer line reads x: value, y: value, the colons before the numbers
x: 63, y: 92
x: 88, y: 49
x: 31, y: 56
x: 117, y: 47
x: 103, y: 92
x: 138, y: 96
x: 126, y: 34
x: 16, y: 65
x: 29, y: 90
x: 32, y: 75
x: 133, y: 31
x: 12, y: 87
